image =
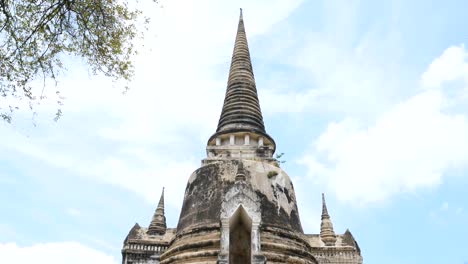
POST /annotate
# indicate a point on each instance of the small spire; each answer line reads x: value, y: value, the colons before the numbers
x: 348, y: 239
x: 158, y: 223
x: 161, y: 201
x: 324, y: 207
x: 241, y: 17
x: 326, y: 227
x: 133, y: 233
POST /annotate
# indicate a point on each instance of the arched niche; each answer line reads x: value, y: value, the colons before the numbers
x: 240, y: 237
x: 240, y: 220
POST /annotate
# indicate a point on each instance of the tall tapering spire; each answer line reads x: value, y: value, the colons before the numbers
x: 241, y: 109
x: 326, y: 227
x: 241, y: 115
x: 158, y: 223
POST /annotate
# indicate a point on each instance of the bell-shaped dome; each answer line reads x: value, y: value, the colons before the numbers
x: 209, y: 184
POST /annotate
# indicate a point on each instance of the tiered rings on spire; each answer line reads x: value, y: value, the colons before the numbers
x: 241, y: 109
x: 158, y: 223
x: 326, y: 227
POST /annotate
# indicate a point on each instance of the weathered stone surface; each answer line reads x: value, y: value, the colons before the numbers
x: 209, y: 185
x: 327, y: 234
x: 241, y: 109
x: 239, y: 206
x: 158, y: 223
x: 140, y: 247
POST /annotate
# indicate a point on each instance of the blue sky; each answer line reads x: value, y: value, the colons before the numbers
x: 367, y: 99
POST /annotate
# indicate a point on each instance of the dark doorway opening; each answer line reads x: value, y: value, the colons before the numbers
x: 240, y: 231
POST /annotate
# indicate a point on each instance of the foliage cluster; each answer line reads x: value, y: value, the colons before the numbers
x: 35, y: 34
x: 272, y: 174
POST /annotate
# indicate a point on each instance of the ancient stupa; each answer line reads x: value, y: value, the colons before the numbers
x: 239, y: 206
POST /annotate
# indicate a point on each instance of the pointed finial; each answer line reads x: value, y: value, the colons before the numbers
x: 161, y: 200
x: 324, y: 207
x: 326, y: 227
x: 158, y: 223
x: 240, y: 176
x: 241, y: 16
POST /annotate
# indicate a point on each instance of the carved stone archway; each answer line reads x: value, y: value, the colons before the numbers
x: 240, y: 204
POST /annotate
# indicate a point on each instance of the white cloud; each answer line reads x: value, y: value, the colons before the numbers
x: 142, y: 141
x: 53, y: 253
x: 451, y: 65
x: 410, y: 146
x: 339, y: 73
x: 131, y: 166
x: 149, y: 180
